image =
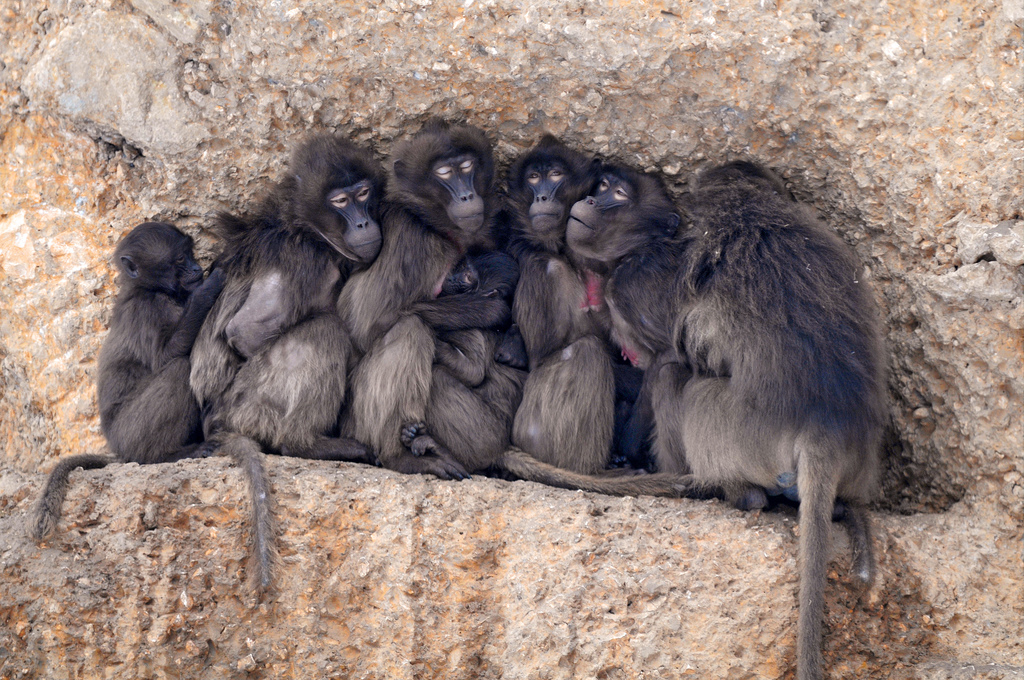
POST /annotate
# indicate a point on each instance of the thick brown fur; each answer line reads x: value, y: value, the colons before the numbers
x: 565, y: 419
x: 478, y: 374
x: 567, y: 412
x: 765, y: 361
x: 147, y: 412
x: 392, y: 309
x: 270, y: 364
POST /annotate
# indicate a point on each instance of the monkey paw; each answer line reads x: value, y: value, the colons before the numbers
x: 410, y: 432
x: 423, y: 445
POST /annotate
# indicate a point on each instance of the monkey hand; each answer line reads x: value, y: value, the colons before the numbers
x: 213, y: 285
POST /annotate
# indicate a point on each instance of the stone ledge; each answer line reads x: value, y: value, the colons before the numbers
x: 391, y: 576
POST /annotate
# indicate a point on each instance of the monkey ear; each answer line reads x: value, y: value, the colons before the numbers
x: 672, y: 223
x: 130, y: 268
x: 401, y: 168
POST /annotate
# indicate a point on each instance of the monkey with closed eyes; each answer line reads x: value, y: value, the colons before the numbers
x: 269, y: 367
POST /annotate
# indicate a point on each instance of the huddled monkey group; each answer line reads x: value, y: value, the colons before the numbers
x: 573, y: 325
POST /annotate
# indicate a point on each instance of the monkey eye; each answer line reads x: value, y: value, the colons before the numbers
x: 363, y: 195
x: 466, y: 166
x: 533, y: 177
x: 339, y: 201
x: 621, y: 195
x: 556, y: 174
x: 444, y: 172
x: 603, y: 186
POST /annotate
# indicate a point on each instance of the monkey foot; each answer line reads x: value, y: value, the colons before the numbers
x: 412, y: 431
x: 423, y: 444
x: 439, y: 462
x: 751, y: 498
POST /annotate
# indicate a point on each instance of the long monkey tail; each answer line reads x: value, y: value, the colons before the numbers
x: 525, y: 466
x: 816, y: 480
x: 46, y: 513
x: 263, y: 530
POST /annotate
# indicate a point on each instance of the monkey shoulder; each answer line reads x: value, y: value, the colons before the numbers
x: 141, y: 323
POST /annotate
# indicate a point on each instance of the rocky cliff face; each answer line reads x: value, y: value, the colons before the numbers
x: 900, y: 122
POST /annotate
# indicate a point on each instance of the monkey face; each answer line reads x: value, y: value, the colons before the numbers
x: 338, y: 188
x: 360, y: 237
x: 597, y: 223
x: 463, y: 279
x: 546, y: 209
x: 157, y: 256
x: 625, y: 210
x: 545, y: 183
x: 463, y: 203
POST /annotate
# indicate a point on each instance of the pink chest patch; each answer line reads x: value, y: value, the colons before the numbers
x: 594, y: 298
x: 629, y: 354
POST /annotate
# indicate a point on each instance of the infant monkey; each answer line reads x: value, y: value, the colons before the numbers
x: 492, y: 274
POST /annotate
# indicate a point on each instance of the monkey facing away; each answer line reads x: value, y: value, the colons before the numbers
x: 269, y: 366
x: 764, y: 361
x: 147, y: 411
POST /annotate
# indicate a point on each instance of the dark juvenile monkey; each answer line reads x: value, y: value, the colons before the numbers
x: 467, y: 353
x: 270, y: 363
x: 766, y: 364
x: 147, y: 412
x: 443, y: 206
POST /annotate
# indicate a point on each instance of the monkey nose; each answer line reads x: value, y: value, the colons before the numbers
x: 590, y: 200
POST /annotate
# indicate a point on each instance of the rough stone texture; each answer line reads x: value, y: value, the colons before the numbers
x: 900, y: 122
x: 406, y: 577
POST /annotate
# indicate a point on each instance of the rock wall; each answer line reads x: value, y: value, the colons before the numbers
x: 900, y: 122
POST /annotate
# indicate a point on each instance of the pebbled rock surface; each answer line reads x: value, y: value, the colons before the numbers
x: 387, y: 576
x: 899, y: 122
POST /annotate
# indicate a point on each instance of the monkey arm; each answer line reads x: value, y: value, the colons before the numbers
x: 543, y: 318
x: 465, y: 354
x: 462, y: 312
x: 187, y: 329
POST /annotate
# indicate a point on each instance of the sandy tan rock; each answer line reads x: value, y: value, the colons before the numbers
x: 402, y: 577
x: 899, y: 122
